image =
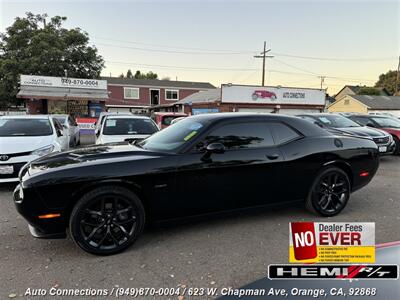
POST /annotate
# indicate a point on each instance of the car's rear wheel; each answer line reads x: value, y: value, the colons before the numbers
x: 329, y: 193
x: 107, y: 220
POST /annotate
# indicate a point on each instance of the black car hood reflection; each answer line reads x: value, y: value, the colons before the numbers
x: 91, y: 154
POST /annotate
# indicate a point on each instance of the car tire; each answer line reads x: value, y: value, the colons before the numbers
x: 107, y: 220
x: 329, y: 192
x: 397, y: 145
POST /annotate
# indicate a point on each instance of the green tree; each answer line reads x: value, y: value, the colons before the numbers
x: 35, y: 46
x: 129, y: 74
x: 366, y: 90
x: 148, y: 75
x: 387, y: 81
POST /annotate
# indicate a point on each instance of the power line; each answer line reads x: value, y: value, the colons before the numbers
x: 194, y: 68
x: 173, y: 51
x: 335, y: 59
x: 229, y: 51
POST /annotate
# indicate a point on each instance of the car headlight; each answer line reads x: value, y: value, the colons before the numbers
x: 43, y: 151
x: 390, y: 138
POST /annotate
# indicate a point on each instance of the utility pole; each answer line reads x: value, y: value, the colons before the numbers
x: 396, y: 89
x: 264, y: 55
x: 322, y: 80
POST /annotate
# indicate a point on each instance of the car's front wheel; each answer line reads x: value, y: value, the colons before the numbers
x: 107, y: 220
x: 397, y: 145
x: 329, y: 193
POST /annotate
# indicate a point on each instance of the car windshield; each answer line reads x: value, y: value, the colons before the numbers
x: 62, y: 120
x: 173, y: 137
x: 25, y: 127
x: 336, y: 121
x: 126, y: 126
x: 387, y: 122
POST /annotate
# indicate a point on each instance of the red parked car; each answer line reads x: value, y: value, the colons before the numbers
x: 386, y: 123
x: 164, y: 119
x: 263, y: 94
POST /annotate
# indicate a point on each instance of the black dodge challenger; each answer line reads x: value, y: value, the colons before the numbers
x: 203, y: 164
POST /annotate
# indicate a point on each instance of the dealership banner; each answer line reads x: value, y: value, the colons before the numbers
x: 339, y: 242
x: 271, y: 95
x: 86, y: 126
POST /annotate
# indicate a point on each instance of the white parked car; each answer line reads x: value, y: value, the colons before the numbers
x: 119, y: 128
x: 25, y: 138
x: 105, y: 114
x: 71, y: 127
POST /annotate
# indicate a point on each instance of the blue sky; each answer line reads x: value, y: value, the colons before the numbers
x: 349, y: 42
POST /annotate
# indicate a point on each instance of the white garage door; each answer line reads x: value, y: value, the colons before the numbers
x: 255, y: 110
x: 290, y: 111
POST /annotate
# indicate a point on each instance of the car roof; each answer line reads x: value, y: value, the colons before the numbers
x: 130, y: 116
x: 170, y: 114
x: 27, y: 117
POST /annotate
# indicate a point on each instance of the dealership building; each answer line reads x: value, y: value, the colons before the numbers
x: 245, y: 98
x: 62, y: 95
x: 141, y: 95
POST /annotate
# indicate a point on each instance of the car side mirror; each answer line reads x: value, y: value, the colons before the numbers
x: 59, y: 133
x: 217, y: 148
x: 65, y: 127
x: 370, y: 125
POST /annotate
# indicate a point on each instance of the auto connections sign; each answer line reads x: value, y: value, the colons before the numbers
x: 271, y: 95
x: 311, y: 242
x: 63, y: 82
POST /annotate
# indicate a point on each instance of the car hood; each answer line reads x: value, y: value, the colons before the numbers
x: 91, y: 155
x: 21, y: 144
x: 362, y: 131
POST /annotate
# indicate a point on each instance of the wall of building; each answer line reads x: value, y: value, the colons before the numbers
x: 348, y: 104
x: 344, y: 92
x: 116, y: 96
x: 247, y: 107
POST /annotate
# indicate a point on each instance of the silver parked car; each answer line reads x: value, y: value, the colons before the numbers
x: 71, y: 128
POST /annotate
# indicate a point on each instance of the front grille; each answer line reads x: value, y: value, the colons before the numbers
x: 14, y: 155
x: 382, y: 140
x: 17, y: 167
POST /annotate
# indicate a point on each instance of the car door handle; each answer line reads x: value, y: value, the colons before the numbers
x: 272, y: 156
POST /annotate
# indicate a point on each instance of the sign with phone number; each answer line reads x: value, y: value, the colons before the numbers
x: 49, y: 81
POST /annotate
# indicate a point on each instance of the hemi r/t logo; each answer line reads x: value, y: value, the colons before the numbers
x: 333, y: 272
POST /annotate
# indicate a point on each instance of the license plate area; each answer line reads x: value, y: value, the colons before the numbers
x: 382, y: 148
x: 6, y: 170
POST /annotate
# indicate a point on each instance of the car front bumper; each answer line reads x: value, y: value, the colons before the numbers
x: 390, y: 148
x: 30, y: 206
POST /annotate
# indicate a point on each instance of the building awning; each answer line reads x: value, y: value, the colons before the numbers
x: 57, y: 93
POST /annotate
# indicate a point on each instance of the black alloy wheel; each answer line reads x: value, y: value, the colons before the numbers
x: 329, y: 193
x: 107, y: 220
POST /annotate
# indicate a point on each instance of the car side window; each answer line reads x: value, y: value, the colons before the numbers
x: 361, y: 121
x: 283, y: 133
x: 240, y: 136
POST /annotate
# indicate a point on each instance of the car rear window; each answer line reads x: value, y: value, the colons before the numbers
x: 25, y: 127
x: 282, y: 133
x: 127, y: 126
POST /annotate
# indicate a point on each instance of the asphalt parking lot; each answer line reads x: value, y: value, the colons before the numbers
x: 224, y: 252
